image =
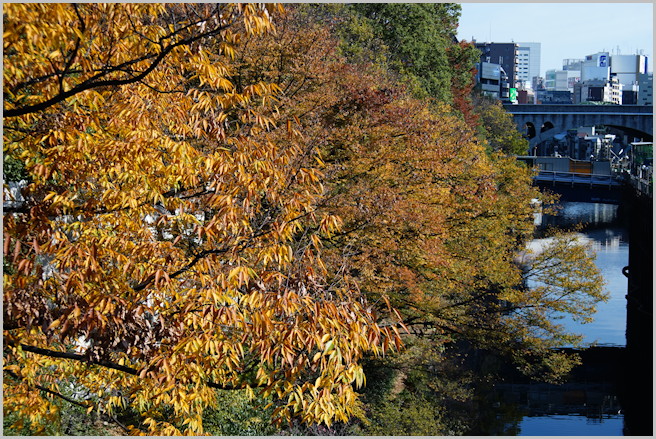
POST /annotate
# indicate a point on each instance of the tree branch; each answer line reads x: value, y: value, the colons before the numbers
x: 51, y: 392
x: 108, y: 364
x: 96, y: 81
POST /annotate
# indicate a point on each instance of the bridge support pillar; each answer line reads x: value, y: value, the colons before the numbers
x: 636, y: 394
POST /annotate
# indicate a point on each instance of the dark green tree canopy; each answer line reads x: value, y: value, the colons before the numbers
x: 417, y: 36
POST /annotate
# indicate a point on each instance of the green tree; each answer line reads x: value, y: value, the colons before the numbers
x: 417, y: 36
x: 497, y: 128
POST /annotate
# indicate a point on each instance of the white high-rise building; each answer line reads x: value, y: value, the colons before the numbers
x: 528, y: 66
x: 627, y: 68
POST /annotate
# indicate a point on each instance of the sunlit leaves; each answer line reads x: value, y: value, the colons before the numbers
x: 169, y: 242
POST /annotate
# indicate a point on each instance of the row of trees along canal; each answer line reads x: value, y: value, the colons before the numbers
x: 221, y: 228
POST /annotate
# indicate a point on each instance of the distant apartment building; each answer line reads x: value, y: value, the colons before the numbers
x: 555, y: 80
x: 492, y: 80
x: 528, y: 63
x: 489, y: 79
x: 646, y: 89
x: 593, y: 90
x: 616, y: 88
x: 504, y: 54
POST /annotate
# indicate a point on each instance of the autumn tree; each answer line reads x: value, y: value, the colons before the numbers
x: 165, y: 241
x: 462, y: 61
x: 433, y: 217
x: 496, y: 126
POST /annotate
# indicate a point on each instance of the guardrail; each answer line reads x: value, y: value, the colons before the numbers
x: 572, y: 178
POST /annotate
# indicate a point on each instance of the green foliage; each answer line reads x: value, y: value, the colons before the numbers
x: 237, y: 415
x: 15, y: 425
x: 405, y: 414
x: 417, y: 36
x: 496, y: 126
x: 13, y: 169
x: 358, y: 41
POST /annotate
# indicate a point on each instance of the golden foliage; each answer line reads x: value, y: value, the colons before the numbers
x: 168, y: 241
x: 433, y: 218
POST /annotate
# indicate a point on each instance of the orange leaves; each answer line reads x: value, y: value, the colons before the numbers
x: 173, y: 235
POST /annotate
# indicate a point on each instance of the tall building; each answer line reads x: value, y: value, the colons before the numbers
x: 528, y: 63
x: 489, y: 79
x: 646, y: 89
x: 504, y: 54
x: 628, y: 67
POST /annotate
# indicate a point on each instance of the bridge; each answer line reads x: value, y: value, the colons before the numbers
x: 587, y: 188
x: 578, y: 180
x: 542, y: 122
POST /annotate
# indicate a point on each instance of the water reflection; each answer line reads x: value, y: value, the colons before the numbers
x: 572, y: 425
x: 573, y: 213
x: 586, y: 406
x: 610, y: 242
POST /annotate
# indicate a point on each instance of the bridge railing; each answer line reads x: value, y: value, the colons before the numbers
x: 577, y: 178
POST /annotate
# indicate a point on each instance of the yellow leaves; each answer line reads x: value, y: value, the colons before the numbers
x: 242, y: 274
x: 191, y: 251
x: 329, y: 224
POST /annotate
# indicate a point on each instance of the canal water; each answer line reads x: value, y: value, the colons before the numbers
x: 608, y: 237
x: 581, y: 408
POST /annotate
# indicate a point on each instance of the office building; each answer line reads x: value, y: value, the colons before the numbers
x: 628, y: 67
x: 596, y: 67
x: 504, y: 54
x: 646, y: 89
x: 555, y: 80
x: 528, y: 63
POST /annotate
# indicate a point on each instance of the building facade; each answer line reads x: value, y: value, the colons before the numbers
x: 556, y: 80
x: 504, y: 54
x: 489, y: 79
x: 627, y: 68
x: 596, y: 67
x: 646, y: 89
x: 528, y: 63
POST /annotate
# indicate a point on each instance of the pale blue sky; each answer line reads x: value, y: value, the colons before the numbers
x: 566, y: 30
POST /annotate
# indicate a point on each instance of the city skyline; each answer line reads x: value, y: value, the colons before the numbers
x: 565, y: 30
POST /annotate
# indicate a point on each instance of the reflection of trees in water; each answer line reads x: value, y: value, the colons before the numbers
x: 589, y: 213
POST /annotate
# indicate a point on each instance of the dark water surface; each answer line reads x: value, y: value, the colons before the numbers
x: 571, y: 425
